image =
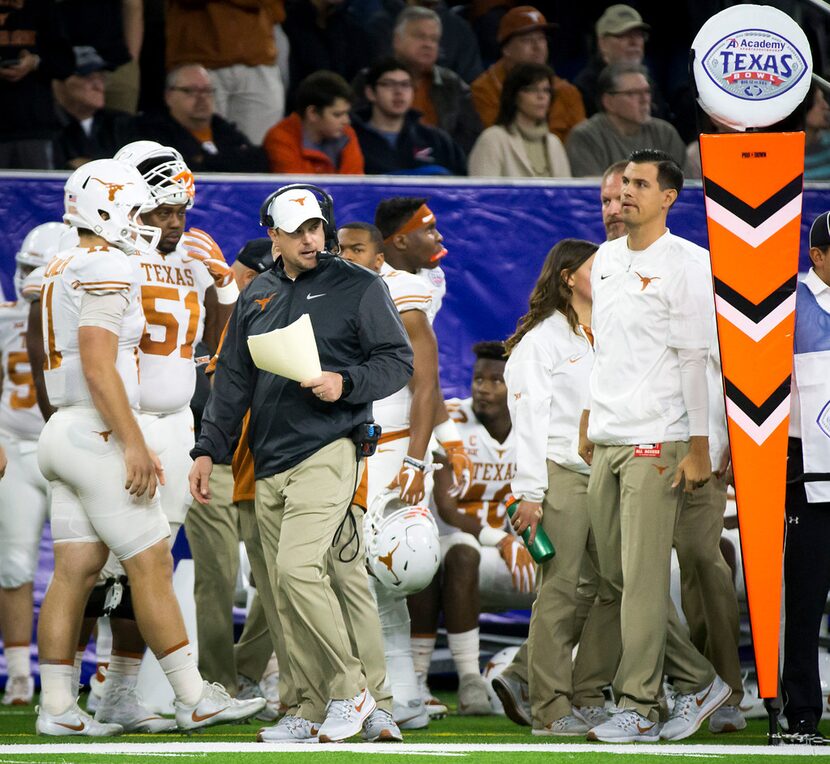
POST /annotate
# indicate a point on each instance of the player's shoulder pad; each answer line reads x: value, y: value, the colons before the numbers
x: 100, y: 270
x: 457, y: 410
x: 32, y: 284
x: 408, y: 290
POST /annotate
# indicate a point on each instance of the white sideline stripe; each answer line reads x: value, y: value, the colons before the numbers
x: 755, y: 332
x: 387, y: 749
x: 754, y: 236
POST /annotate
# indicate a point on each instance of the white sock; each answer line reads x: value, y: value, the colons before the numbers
x: 103, y: 641
x: 17, y: 660
x: 179, y: 666
x: 422, y: 648
x: 464, y: 650
x: 123, y: 669
x: 57, y: 694
x: 76, y: 671
x: 394, y: 620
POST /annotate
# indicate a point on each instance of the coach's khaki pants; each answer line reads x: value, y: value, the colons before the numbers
x: 562, y: 618
x: 707, y: 589
x: 633, y: 511
x: 298, y: 512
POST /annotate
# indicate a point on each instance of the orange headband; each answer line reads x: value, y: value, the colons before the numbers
x: 422, y: 217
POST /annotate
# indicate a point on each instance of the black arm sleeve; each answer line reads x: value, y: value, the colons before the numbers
x: 230, y: 398
x: 384, y: 340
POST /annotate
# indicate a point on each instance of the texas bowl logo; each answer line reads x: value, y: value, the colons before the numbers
x: 755, y: 64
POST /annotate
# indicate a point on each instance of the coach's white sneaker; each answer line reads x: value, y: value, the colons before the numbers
x: 693, y: 708
x: 123, y: 705
x: 216, y: 707
x: 593, y: 716
x: 626, y: 726
x: 727, y: 719
x: 289, y: 729
x: 344, y: 718
x: 473, y: 699
x: 380, y: 727
x: 73, y: 721
x: 435, y: 708
x: 515, y: 699
x: 567, y: 726
x: 19, y: 691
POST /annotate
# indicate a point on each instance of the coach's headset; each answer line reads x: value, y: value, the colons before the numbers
x: 326, y: 207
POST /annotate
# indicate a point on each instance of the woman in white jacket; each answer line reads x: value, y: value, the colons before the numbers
x: 520, y: 144
x: 550, y: 358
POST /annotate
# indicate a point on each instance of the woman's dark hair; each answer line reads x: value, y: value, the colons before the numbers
x: 552, y: 292
x: 521, y: 76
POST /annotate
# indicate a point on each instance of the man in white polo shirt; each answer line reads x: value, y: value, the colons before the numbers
x: 647, y: 442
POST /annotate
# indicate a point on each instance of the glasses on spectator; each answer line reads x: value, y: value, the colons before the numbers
x: 534, y: 89
x: 396, y: 84
x: 193, y: 92
x: 633, y: 93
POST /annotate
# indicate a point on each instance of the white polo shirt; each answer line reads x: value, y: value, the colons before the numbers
x: 648, y: 305
x: 546, y: 377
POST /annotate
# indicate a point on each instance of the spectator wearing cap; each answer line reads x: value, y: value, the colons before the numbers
x: 520, y: 144
x: 317, y: 137
x: 623, y: 124
x: 621, y: 36
x: 234, y: 41
x: 807, y: 547
x: 206, y: 141
x: 390, y: 132
x: 442, y: 97
x: 523, y: 39
x: 88, y: 129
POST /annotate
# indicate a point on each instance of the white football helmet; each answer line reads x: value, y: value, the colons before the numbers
x: 41, y: 244
x: 106, y: 197
x: 169, y: 178
x: 402, y: 545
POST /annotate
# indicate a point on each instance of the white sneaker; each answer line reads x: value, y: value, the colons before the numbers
x: 73, y: 721
x: 19, y: 691
x: 727, y: 719
x: 248, y: 688
x: 123, y: 705
x: 693, y: 708
x: 413, y: 715
x: 626, y: 726
x: 270, y: 686
x: 567, y: 726
x: 344, y: 718
x: 96, y: 687
x: 216, y: 707
x: 593, y: 716
x: 515, y: 699
x: 473, y: 699
x: 380, y: 727
x: 289, y: 729
x: 435, y: 708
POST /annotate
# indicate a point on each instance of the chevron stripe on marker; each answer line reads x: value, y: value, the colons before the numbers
x: 754, y: 216
x: 753, y: 236
x: 756, y: 321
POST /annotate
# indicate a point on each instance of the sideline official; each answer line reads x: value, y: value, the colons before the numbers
x: 304, y: 460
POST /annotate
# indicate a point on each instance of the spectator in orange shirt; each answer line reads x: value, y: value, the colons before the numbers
x: 523, y: 39
x: 317, y: 138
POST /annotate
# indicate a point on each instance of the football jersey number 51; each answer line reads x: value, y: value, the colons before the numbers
x: 168, y: 320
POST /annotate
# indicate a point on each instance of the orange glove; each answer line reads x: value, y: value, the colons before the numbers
x: 519, y: 563
x: 200, y: 246
x: 462, y: 467
x: 410, y: 479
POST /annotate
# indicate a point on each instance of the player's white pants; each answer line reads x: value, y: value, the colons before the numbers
x: 84, y: 465
x: 170, y: 436
x: 495, y: 582
x: 23, y: 511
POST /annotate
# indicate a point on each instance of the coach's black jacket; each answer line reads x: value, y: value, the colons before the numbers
x: 358, y: 330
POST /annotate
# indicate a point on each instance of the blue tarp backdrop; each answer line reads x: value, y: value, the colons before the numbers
x: 497, y: 236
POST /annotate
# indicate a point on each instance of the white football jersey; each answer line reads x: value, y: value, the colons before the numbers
x: 99, y: 270
x: 494, y: 465
x: 409, y: 292
x: 173, y: 290
x: 436, y: 282
x: 19, y: 412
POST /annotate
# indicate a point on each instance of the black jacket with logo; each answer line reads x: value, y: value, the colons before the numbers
x: 358, y: 330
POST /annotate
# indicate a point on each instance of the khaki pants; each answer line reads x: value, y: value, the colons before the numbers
x: 298, y: 512
x: 561, y: 616
x: 707, y: 589
x: 633, y: 511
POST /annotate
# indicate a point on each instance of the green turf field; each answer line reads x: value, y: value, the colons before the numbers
x: 489, y: 740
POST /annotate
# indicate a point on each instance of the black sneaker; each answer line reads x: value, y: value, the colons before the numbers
x: 803, y: 732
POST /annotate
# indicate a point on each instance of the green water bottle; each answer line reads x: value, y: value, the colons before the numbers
x: 542, y: 549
